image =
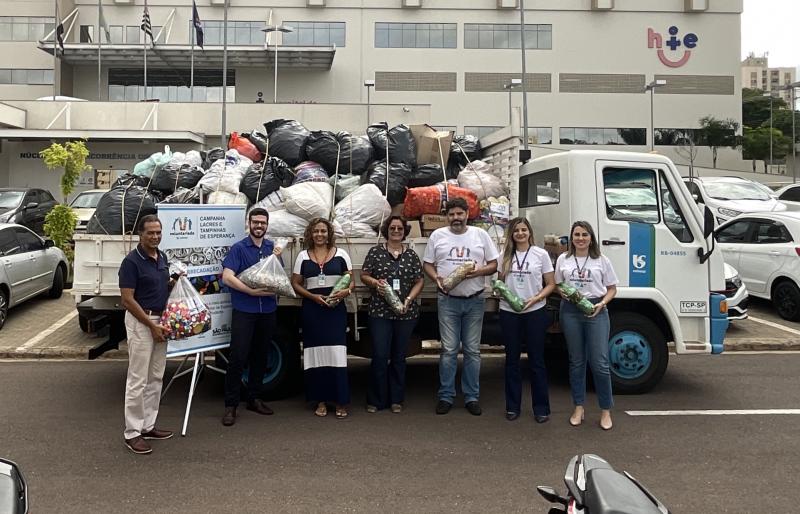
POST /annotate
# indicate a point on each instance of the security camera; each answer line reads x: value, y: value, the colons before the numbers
x: 406, y: 109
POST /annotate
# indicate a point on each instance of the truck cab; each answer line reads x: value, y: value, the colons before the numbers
x: 656, y: 238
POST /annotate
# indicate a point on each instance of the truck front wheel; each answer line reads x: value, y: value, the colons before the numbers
x: 638, y: 353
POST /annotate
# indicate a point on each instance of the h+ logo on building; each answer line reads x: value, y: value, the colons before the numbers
x: 674, y: 43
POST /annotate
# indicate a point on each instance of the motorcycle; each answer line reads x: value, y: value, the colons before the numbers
x: 594, y: 487
x: 13, y: 489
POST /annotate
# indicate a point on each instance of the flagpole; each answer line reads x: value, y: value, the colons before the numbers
x: 55, y: 52
x: 191, y: 72
x: 224, y: 72
x: 99, y: 48
x: 145, y: 65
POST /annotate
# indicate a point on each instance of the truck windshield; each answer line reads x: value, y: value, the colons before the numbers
x: 735, y: 191
x: 10, y: 199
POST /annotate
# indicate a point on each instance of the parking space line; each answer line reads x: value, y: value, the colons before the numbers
x: 713, y: 412
x: 775, y: 325
x: 46, y: 332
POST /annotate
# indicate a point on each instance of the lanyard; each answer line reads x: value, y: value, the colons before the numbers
x: 395, y: 260
x: 320, y: 264
x: 581, y: 269
x: 524, y: 259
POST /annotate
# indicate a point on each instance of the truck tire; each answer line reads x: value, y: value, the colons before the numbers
x: 637, y: 351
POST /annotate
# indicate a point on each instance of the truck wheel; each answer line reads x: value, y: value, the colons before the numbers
x: 58, y: 284
x: 786, y: 298
x: 638, y: 353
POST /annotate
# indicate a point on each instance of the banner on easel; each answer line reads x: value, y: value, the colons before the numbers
x: 199, y: 236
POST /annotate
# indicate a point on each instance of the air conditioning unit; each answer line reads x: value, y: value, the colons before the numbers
x: 412, y: 3
x: 507, y: 4
x: 315, y: 3
x: 602, y: 5
x: 695, y: 5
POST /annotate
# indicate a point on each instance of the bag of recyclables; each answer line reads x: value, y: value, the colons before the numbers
x: 185, y: 314
x: 268, y: 274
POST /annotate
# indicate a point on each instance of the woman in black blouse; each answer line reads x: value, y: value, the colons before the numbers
x: 395, y: 265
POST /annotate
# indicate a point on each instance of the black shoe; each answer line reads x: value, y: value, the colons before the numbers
x: 230, y: 416
x: 260, y: 407
x: 474, y: 408
x: 511, y: 416
x: 542, y: 419
x: 443, y: 407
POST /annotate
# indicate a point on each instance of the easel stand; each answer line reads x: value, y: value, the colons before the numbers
x: 196, y: 370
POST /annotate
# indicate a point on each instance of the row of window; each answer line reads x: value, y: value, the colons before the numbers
x: 27, y: 77
x: 387, y: 35
x: 603, y: 136
x: 136, y: 93
x: 24, y: 28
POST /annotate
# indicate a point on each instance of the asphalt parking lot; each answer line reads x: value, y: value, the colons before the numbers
x: 43, y: 328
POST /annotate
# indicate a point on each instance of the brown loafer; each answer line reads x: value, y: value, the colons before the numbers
x: 260, y: 407
x: 157, y: 434
x: 138, y: 445
x: 230, y: 416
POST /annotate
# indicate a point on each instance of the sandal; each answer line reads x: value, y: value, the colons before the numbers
x: 322, y: 410
x: 341, y: 413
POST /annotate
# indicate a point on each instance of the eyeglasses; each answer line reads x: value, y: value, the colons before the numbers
x: 396, y: 229
x: 258, y: 223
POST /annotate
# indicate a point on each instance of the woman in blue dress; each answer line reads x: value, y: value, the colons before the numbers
x: 324, y: 317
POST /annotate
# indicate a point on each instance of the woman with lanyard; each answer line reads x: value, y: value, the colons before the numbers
x: 395, y: 265
x: 316, y: 270
x: 524, y: 269
x: 591, y: 273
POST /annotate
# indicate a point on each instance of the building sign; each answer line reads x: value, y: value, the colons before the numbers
x: 678, y: 48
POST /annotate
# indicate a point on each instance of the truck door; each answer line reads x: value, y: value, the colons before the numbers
x: 645, y: 235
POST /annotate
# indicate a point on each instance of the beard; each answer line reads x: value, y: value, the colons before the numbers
x: 258, y: 232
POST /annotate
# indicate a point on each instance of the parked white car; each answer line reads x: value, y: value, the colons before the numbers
x: 765, y: 248
x: 728, y: 197
x: 84, y: 205
x: 29, y: 266
x: 736, y: 294
x: 790, y: 196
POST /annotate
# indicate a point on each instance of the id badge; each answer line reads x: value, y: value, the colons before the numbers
x: 520, y: 280
x: 396, y: 284
x: 321, y: 280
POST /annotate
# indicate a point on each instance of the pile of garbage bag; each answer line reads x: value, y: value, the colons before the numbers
x: 120, y: 209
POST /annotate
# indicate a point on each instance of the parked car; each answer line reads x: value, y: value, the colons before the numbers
x: 790, y: 196
x: 736, y: 293
x: 29, y: 266
x: 25, y: 206
x: 728, y: 197
x: 84, y: 205
x: 765, y: 248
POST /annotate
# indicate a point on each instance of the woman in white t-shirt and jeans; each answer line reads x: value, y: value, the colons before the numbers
x: 528, y: 272
x: 583, y: 267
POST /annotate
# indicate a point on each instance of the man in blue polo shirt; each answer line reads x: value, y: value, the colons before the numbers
x: 253, y: 319
x: 144, y: 285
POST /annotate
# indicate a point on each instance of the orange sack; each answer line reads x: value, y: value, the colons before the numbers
x: 431, y: 200
x: 244, y: 147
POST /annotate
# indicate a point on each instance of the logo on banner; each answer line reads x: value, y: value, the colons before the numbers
x: 678, y: 48
x: 181, y: 227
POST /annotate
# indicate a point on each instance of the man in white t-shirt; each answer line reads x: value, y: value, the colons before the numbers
x: 461, y: 308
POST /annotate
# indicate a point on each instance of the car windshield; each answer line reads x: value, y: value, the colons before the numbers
x: 735, y: 191
x: 87, y: 200
x: 10, y: 199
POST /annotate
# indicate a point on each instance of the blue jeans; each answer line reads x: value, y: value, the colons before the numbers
x: 529, y: 328
x: 587, y: 341
x: 460, y: 323
x: 387, y: 378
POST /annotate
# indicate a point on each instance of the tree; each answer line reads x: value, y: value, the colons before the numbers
x: 755, y: 107
x: 717, y: 134
x: 685, y: 147
x: 59, y: 224
x: 782, y: 120
x: 756, y: 145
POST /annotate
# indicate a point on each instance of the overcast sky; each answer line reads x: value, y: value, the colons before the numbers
x: 771, y: 26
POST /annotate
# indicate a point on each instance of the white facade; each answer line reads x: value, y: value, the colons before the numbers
x: 587, y: 71
x: 756, y: 74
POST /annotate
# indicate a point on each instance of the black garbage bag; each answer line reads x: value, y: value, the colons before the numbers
x: 212, y: 156
x: 183, y: 196
x: 399, y: 174
x: 259, y: 140
x: 129, y: 179
x: 287, y: 140
x: 470, y: 145
x: 130, y: 203
x: 169, y: 177
x: 426, y: 175
x: 355, y: 153
x: 453, y: 168
x: 257, y: 184
x: 402, y: 146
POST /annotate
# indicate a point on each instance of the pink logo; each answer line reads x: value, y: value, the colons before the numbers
x: 673, y: 59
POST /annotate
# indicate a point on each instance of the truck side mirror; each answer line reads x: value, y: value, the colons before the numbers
x: 708, y: 222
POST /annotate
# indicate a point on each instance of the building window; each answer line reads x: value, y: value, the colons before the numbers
x: 480, y: 131
x: 133, y: 34
x: 540, y: 135
x: 24, y: 28
x: 243, y: 33
x: 116, y: 32
x: 314, y: 33
x: 446, y: 128
x: 540, y: 188
x: 27, y: 77
x: 127, y: 85
x: 677, y: 136
x: 483, y: 35
x: 415, y: 35
x: 87, y: 34
x: 603, y: 136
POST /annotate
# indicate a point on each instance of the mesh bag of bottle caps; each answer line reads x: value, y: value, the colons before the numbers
x: 185, y: 314
x: 268, y: 274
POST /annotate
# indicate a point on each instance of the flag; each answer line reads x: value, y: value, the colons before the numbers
x: 198, y: 25
x: 103, y: 22
x: 59, y: 30
x: 147, y: 28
